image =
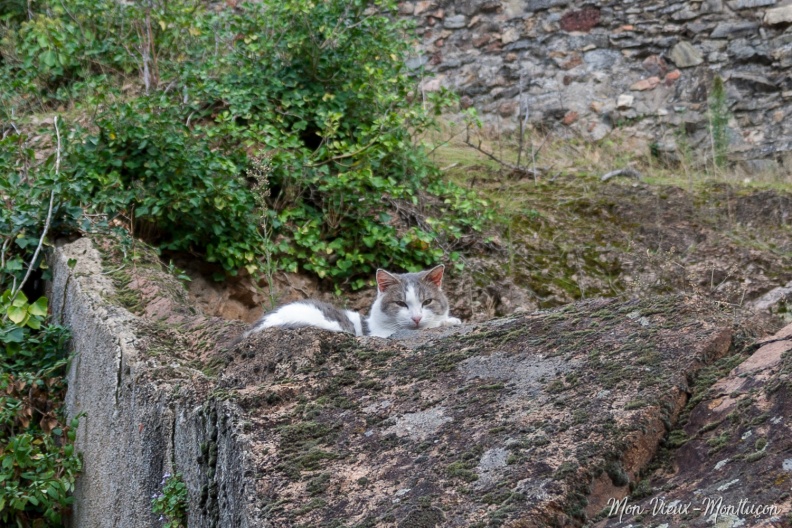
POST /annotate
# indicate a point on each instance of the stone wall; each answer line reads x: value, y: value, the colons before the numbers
x: 589, y: 67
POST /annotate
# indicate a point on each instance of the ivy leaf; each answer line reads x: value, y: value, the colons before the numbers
x: 39, y: 307
x: 21, y: 300
x: 17, y: 314
x: 14, y: 265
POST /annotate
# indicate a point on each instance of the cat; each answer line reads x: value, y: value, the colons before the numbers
x: 407, y: 301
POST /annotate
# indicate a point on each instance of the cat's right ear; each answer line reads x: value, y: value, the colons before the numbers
x: 385, y: 280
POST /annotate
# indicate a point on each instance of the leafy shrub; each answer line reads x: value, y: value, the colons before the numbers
x: 169, y: 184
x: 38, y: 464
x: 319, y: 89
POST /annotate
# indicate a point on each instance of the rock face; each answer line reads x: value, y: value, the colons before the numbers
x: 534, y: 419
x: 735, y: 467
x: 552, y: 57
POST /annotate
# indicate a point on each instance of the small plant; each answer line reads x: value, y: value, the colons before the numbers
x: 171, y: 502
x: 259, y: 172
x: 719, y: 121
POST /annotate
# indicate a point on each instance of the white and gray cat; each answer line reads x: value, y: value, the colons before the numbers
x: 407, y: 301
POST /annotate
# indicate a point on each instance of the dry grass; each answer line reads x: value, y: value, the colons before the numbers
x: 556, y: 156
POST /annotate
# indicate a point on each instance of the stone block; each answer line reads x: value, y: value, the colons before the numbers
x: 685, y: 55
x: 540, y: 5
x: 510, y: 35
x: 645, y: 84
x: 734, y: 29
x: 455, y: 22
x: 749, y: 4
x: 778, y: 15
x: 624, y: 101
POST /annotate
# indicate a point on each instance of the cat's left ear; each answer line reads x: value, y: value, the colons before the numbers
x: 435, y: 275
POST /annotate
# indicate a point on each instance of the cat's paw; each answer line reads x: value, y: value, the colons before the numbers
x: 452, y: 321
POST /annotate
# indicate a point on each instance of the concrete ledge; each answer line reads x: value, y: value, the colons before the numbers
x: 135, y: 428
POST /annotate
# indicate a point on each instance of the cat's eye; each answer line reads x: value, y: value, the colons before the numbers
x: 400, y: 303
x: 427, y: 302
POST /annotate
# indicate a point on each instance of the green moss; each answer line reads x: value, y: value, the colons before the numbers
x: 642, y: 490
x: 566, y: 469
x: 318, y: 484
x: 618, y: 476
x: 677, y: 438
x: 313, y: 504
x: 717, y: 443
x: 635, y: 404
x: 461, y: 470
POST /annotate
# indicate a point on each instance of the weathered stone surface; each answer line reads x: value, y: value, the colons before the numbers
x: 489, y: 409
x: 455, y: 22
x: 601, y: 59
x: 741, y: 50
x: 775, y: 300
x: 684, y: 14
x: 778, y: 15
x: 539, y: 5
x: 582, y: 20
x: 645, y: 84
x: 144, y: 417
x: 685, y: 55
x: 734, y: 468
x: 625, y: 101
x: 749, y: 4
x: 734, y: 29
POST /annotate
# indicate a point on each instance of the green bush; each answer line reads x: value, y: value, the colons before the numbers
x: 318, y: 89
x: 168, y: 184
x: 38, y: 464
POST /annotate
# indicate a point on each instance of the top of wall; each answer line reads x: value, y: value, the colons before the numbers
x: 588, y: 67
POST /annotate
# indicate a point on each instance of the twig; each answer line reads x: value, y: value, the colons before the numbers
x: 32, y: 264
x: 522, y: 170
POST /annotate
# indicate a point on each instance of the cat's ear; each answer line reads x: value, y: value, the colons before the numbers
x: 385, y: 280
x: 435, y: 276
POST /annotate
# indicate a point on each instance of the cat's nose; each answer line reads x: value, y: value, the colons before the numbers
x: 416, y: 318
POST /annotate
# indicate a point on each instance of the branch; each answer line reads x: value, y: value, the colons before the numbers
x: 16, y: 291
x: 520, y: 170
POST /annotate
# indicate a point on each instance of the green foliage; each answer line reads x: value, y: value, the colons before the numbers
x: 186, y: 98
x: 719, y: 122
x: 38, y: 464
x: 171, y: 502
x: 170, y: 185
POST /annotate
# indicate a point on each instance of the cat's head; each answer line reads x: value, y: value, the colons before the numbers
x: 413, y: 300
